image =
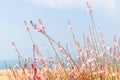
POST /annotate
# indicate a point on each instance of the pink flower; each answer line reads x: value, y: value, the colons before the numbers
x: 35, y: 61
x: 41, y: 30
x: 89, y: 7
x: 68, y: 58
x: 101, y: 71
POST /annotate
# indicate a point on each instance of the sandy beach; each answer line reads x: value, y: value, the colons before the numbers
x: 6, y: 74
x: 3, y: 74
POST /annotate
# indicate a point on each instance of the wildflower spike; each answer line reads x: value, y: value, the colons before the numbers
x: 41, y: 23
x: 34, y: 51
x: 40, y: 29
x: 34, y: 25
x: 70, y: 25
x: 14, y: 46
x: 26, y: 25
x: 31, y: 23
x: 89, y: 8
x: 59, y: 47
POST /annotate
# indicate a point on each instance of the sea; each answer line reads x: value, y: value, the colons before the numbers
x: 10, y: 63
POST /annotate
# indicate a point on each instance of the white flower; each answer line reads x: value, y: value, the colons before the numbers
x: 114, y: 74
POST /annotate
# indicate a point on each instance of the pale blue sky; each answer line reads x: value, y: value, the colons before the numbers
x: 54, y: 14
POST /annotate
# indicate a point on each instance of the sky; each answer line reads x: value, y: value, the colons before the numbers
x: 55, y: 15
